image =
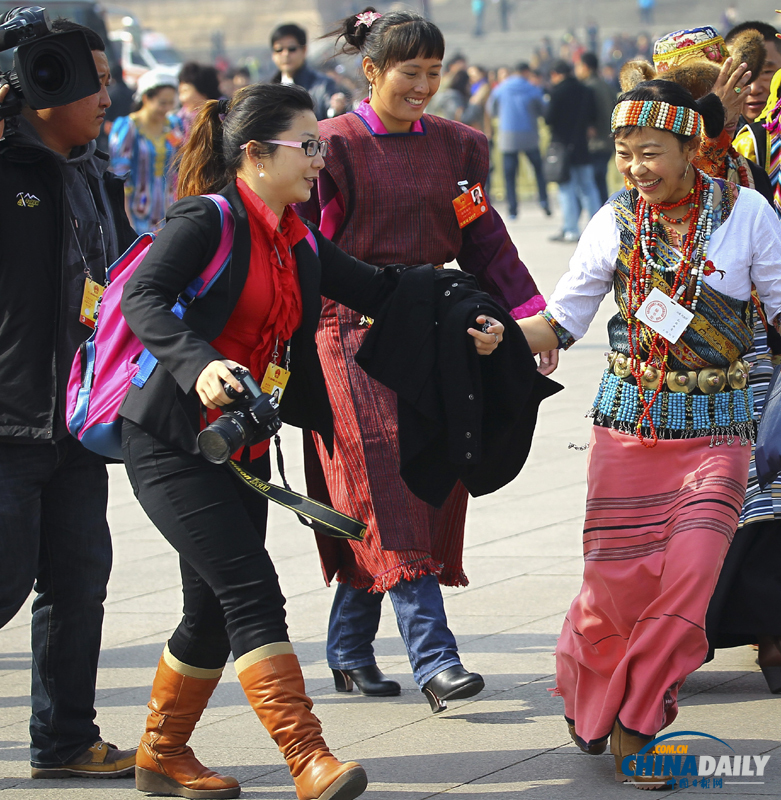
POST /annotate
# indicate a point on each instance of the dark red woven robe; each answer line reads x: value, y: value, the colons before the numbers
x: 396, y: 194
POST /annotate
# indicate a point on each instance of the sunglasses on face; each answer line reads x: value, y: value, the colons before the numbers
x: 294, y: 49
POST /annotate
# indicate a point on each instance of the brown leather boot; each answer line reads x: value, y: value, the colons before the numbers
x: 623, y: 744
x: 272, y: 680
x: 595, y: 748
x: 164, y: 763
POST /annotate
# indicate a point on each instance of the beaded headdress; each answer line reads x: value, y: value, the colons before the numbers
x: 656, y: 114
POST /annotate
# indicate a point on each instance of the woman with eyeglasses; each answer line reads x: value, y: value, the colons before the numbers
x: 386, y: 194
x: 261, y: 151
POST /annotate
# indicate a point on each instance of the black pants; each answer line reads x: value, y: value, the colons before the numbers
x: 54, y: 534
x: 232, y: 599
x: 747, y: 599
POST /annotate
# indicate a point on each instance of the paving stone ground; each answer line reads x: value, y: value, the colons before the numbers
x: 523, y: 557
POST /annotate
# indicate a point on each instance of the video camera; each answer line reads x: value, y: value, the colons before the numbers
x: 49, y: 69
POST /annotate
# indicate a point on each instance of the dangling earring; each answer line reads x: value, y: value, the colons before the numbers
x: 686, y: 174
x: 261, y: 174
x: 370, y: 90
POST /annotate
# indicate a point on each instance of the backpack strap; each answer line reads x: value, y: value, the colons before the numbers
x: 200, y: 285
x: 206, y: 279
x: 310, y: 237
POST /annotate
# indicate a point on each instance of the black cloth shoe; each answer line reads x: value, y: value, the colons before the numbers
x: 454, y: 683
x: 368, y: 679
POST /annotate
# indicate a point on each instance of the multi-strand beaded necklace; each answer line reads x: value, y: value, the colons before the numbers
x: 684, y: 280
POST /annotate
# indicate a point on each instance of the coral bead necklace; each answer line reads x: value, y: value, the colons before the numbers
x: 683, y: 280
x: 686, y: 200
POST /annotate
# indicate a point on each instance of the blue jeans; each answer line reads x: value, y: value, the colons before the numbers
x: 53, y: 533
x: 510, y: 164
x: 420, y: 615
x: 580, y: 191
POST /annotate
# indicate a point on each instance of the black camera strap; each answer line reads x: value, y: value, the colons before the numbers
x: 329, y: 521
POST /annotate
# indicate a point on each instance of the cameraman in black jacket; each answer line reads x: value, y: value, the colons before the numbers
x: 62, y: 221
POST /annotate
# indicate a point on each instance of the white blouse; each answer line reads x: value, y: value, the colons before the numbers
x: 745, y: 249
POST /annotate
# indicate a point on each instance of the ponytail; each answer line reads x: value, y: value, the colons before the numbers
x: 200, y: 162
x: 712, y: 113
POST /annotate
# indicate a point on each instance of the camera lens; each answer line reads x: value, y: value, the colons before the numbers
x: 223, y: 437
x: 49, y: 73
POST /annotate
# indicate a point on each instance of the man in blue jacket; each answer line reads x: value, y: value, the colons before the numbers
x: 62, y: 222
x: 519, y: 104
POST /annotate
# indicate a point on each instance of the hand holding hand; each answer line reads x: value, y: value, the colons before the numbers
x: 549, y: 360
x: 209, y: 384
x: 487, y: 338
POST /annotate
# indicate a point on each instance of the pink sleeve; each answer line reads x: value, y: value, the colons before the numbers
x: 529, y: 308
x: 325, y: 207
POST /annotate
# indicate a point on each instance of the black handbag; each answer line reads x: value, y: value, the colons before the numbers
x: 556, y: 164
x: 767, y: 454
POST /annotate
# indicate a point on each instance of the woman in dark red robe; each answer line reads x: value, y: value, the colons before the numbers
x: 386, y: 194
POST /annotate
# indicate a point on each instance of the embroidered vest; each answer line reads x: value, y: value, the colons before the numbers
x: 718, y: 335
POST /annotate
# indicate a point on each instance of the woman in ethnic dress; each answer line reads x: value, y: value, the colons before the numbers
x: 743, y: 609
x: 386, y: 194
x: 669, y: 453
x: 143, y: 147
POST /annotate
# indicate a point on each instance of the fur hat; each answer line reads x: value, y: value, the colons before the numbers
x: 693, y: 59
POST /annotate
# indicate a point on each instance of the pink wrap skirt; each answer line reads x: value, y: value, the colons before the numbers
x: 658, y: 525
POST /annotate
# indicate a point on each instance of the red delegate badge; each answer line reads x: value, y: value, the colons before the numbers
x: 470, y: 205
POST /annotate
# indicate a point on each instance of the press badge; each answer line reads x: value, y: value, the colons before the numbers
x: 274, y: 381
x: 663, y: 315
x: 470, y: 205
x: 89, y: 302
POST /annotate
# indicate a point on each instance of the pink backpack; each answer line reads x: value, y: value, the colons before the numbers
x: 113, y: 357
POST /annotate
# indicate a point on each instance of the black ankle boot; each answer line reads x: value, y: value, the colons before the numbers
x: 368, y: 679
x: 454, y: 683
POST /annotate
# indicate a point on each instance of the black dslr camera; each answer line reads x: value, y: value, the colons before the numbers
x: 253, y: 417
x: 49, y: 69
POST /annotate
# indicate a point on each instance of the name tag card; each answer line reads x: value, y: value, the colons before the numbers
x: 470, y: 205
x: 89, y: 302
x: 664, y: 316
x: 274, y: 381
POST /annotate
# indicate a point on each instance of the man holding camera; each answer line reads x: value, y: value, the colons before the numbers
x: 62, y: 223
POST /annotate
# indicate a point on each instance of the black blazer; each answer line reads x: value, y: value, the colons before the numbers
x: 167, y: 406
x: 462, y: 416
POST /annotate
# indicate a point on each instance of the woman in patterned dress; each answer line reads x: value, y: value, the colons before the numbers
x: 143, y: 147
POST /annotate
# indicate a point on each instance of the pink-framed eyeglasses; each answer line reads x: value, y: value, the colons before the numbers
x: 311, y: 146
